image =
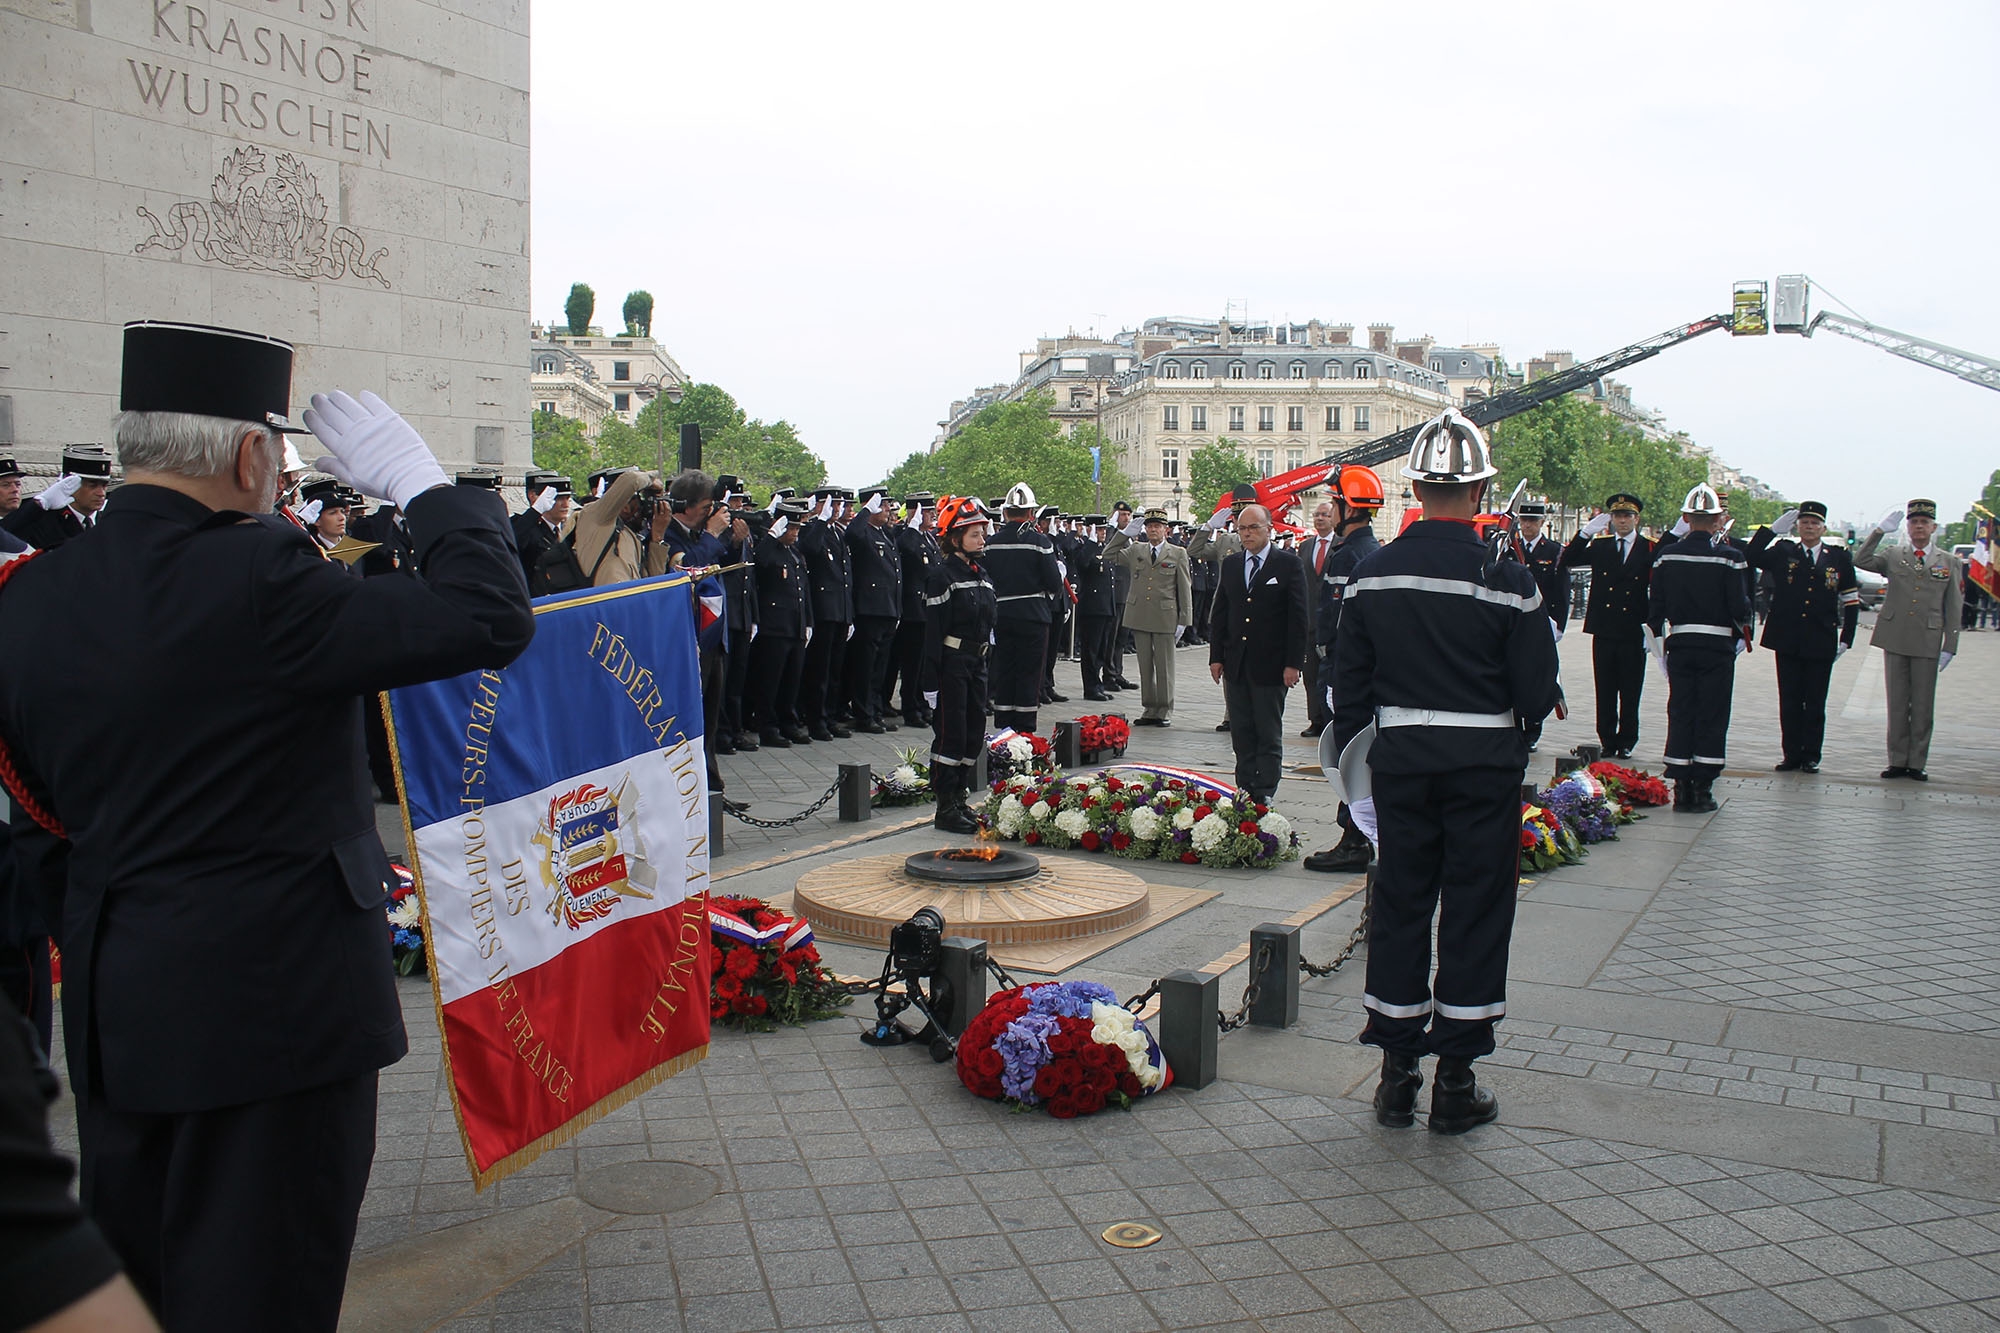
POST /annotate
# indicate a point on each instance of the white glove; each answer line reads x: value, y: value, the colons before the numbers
x: 1679, y: 529
x: 916, y: 516
x: 1596, y: 527
x: 545, y: 501
x: 1661, y: 662
x: 58, y: 493
x: 1890, y: 522
x: 1839, y: 651
x: 1944, y: 660
x: 826, y: 509
x: 1646, y: 637
x: 930, y: 698
x: 1062, y: 570
x: 1180, y: 632
x: 374, y: 450
x: 809, y: 634
x: 1783, y: 524
x: 309, y: 512
x: 850, y: 631
x: 753, y: 634
x: 777, y: 498
x: 874, y: 505
x: 783, y: 522
x: 1135, y: 529
x: 1741, y: 646
x: 1329, y: 698
x: 1219, y: 519
x: 1362, y: 812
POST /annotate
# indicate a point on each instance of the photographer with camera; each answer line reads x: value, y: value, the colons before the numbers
x: 625, y: 504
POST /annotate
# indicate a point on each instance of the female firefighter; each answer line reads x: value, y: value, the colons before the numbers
x: 958, y: 633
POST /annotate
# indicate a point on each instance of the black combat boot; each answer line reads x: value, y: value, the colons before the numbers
x: 952, y: 816
x: 1701, y: 800
x: 1457, y: 1101
x: 1396, y: 1094
x: 1681, y: 786
x: 1350, y: 855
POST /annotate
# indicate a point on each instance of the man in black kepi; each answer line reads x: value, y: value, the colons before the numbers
x: 67, y: 507
x: 537, y: 527
x: 227, y: 1113
x: 1620, y: 562
x: 1815, y: 606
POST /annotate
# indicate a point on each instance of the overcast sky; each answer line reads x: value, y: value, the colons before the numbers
x: 851, y: 215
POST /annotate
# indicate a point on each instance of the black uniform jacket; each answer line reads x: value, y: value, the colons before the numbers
x: 1815, y: 600
x: 920, y: 552
x: 394, y: 552
x: 1258, y: 631
x: 200, y: 738
x: 739, y: 586
x: 784, y: 593
x: 960, y: 611
x: 1427, y: 624
x: 1544, y: 561
x: 877, y: 569
x: 532, y: 537
x: 825, y: 552
x: 1095, y: 579
x: 1355, y: 547
x: 1617, y: 602
x: 1701, y: 596
x: 1021, y: 562
x: 43, y: 529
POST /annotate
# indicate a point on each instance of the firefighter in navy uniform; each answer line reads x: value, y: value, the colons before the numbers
x: 1815, y: 606
x: 68, y: 506
x: 1620, y: 562
x: 739, y: 537
x: 1021, y: 563
x: 918, y: 546
x: 1543, y: 557
x: 1700, y: 621
x: 1447, y: 652
x: 876, y: 572
x: 1357, y: 498
x: 823, y: 546
x: 961, y: 612
x: 784, y: 630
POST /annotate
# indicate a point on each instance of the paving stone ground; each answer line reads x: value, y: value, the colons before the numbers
x: 1747, y: 1082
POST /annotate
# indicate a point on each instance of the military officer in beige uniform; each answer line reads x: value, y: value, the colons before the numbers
x: 1160, y: 607
x: 1916, y: 629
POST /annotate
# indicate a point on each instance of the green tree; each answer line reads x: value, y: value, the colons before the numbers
x: 765, y: 456
x: 1967, y: 530
x: 1575, y: 452
x: 707, y: 405
x: 578, y: 309
x: 1012, y: 442
x: 620, y: 445
x: 1213, y: 470
x: 561, y: 446
x: 638, y: 313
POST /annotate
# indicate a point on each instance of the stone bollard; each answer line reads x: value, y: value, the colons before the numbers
x: 857, y: 793
x: 962, y: 970
x: 1190, y: 1009
x: 715, y: 813
x: 1529, y: 791
x: 1067, y: 751
x: 1277, y: 1003
x: 982, y: 778
x: 1589, y: 753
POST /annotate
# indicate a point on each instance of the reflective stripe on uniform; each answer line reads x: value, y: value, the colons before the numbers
x: 1734, y: 561
x: 1396, y: 1010
x: 1471, y: 1011
x: 1453, y: 587
x: 1427, y: 717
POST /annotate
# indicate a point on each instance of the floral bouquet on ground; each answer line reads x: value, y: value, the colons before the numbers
x: 1629, y: 786
x: 1545, y: 842
x: 908, y: 783
x: 1103, y: 737
x: 406, y: 920
x: 1146, y: 817
x: 1068, y: 1046
x: 764, y: 968
x: 1581, y: 803
x: 1010, y: 753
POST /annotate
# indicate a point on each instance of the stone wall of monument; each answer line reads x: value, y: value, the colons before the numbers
x: 351, y: 175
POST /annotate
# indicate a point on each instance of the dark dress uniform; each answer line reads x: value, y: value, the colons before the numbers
x: 1021, y: 563
x: 1451, y: 670
x: 1096, y: 616
x: 1062, y: 627
x: 784, y: 614
x: 698, y: 548
x: 1815, y: 606
x: 920, y: 553
x: 227, y: 1109
x: 1256, y: 631
x: 1543, y: 557
x: 961, y: 612
x: 877, y: 571
x: 532, y: 537
x: 739, y: 598
x: 1613, y: 619
x: 1700, y: 608
x: 1355, y: 547
x: 44, y: 529
x: 395, y: 552
x: 824, y: 549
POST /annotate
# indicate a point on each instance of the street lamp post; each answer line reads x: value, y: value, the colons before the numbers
x: 673, y: 394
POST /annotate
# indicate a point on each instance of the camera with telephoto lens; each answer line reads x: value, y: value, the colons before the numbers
x: 916, y: 951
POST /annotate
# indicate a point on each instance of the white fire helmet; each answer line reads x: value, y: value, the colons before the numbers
x: 292, y: 461
x: 1021, y: 497
x: 1449, y: 449
x: 1702, y: 500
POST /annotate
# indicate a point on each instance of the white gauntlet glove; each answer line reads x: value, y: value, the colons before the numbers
x: 309, y: 512
x: 930, y: 698
x: 850, y: 631
x: 1890, y: 522
x: 1944, y: 660
x: 545, y: 501
x: 374, y: 450
x: 1782, y: 525
x: 1135, y: 529
x: 1679, y: 529
x: 1597, y: 527
x: 58, y: 493
x: 1362, y: 812
x: 1219, y: 519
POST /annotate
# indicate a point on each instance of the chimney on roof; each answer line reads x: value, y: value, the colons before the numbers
x: 1341, y: 335
x: 1380, y: 336
x: 1314, y: 333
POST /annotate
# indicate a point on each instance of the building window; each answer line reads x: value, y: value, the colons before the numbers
x: 1170, y: 418
x: 1361, y: 418
x: 1331, y: 371
x: 1267, y: 371
x: 1236, y: 370
x: 1267, y: 418
x: 621, y: 371
x: 1298, y: 370
x: 1199, y: 370
x: 1236, y: 418
x: 1294, y: 459
x: 621, y: 402
x: 1266, y: 460
x: 1295, y: 418
x: 1170, y: 371
x: 1197, y: 418
x: 550, y: 408
x: 1333, y: 418
x: 1439, y: 366
x: 1362, y: 370
x: 1170, y: 465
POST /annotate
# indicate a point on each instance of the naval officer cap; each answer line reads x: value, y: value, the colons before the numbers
x: 542, y: 479
x: 209, y: 372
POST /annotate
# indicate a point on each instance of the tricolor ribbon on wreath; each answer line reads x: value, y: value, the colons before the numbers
x: 791, y: 934
x: 1187, y: 775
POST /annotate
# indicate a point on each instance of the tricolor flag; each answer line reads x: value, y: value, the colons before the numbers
x: 1980, y: 568
x: 558, y: 821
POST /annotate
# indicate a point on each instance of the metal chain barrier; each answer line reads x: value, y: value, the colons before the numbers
x: 1354, y: 941
x: 1252, y: 990
x: 790, y: 820
x: 1138, y: 1002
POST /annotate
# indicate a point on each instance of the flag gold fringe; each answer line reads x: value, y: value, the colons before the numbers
x: 581, y: 1121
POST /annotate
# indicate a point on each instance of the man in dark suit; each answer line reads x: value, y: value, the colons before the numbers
x: 1257, y: 647
x: 227, y: 1113
x: 1315, y: 552
x: 1815, y: 606
x: 1620, y: 562
x: 1096, y: 609
x: 68, y: 506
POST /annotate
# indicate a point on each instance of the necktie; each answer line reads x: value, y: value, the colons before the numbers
x: 1319, y: 557
x: 1250, y: 572
x: 1623, y: 549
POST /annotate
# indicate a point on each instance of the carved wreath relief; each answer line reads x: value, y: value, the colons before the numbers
x: 273, y: 221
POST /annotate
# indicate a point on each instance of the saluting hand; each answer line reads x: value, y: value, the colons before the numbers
x: 1784, y: 523
x: 1890, y: 522
x: 374, y: 450
x: 58, y: 493
x: 1596, y: 526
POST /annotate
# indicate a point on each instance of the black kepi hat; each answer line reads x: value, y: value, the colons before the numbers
x: 92, y: 462
x: 1624, y: 501
x: 483, y: 478
x: 329, y: 491
x: 208, y: 372
x: 9, y: 468
x: 1812, y: 509
x: 1532, y: 509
